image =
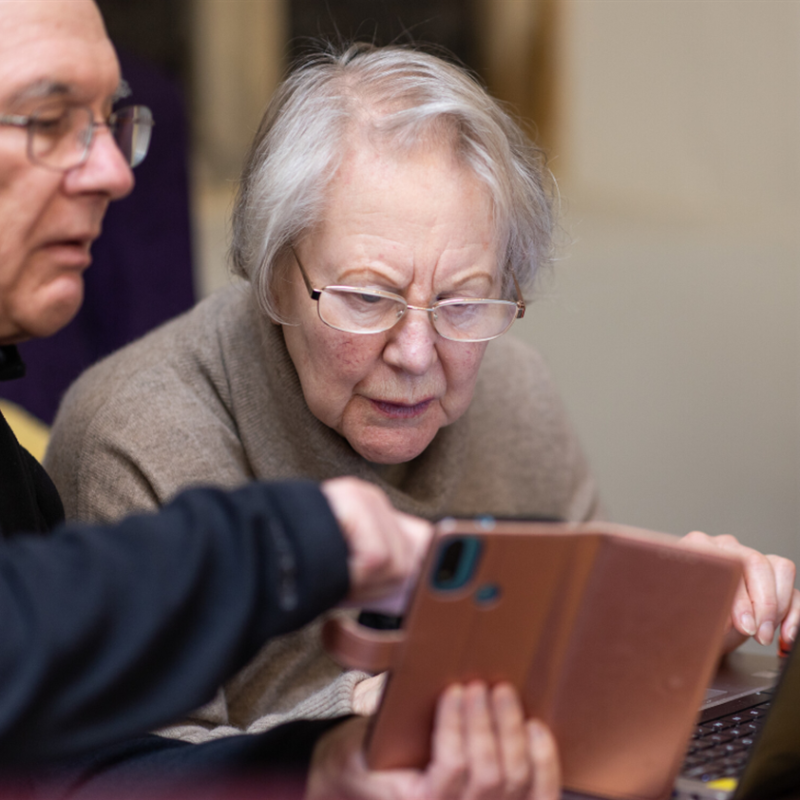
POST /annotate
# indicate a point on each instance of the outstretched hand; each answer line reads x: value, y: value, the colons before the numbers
x: 482, y: 747
x: 386, y: 546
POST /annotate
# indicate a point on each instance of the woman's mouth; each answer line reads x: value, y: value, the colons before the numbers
x: 401, y: 410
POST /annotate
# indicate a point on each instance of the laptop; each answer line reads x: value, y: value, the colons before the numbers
x: 759, y: 721
x: 747, y: 747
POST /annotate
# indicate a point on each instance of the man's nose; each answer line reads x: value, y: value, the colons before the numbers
x: 412, y: 343
x: 105, y: 170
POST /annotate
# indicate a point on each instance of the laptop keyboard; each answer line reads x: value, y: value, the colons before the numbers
x: 719, y: 748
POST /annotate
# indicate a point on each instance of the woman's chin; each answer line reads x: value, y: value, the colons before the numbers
x: 391, y: 449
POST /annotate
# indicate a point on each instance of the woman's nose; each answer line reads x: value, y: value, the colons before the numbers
x: 411, y: 345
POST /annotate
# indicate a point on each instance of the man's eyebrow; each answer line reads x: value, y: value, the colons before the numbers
x: 45, y: 89
x: 41, y: 89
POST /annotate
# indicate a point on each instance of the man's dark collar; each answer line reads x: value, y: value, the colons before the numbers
x: 11, y: 365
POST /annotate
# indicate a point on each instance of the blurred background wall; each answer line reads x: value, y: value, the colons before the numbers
x: 672, y: 317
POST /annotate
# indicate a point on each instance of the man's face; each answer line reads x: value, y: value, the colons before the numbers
x: 52, y: 52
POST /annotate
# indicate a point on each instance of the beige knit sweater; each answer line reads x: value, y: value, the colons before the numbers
x: 213, y: 398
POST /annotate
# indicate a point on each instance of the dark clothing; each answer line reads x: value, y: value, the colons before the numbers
x: 151, y: 767
x: 109, y: 631
x: 28, y: 499
x: 11, y: 365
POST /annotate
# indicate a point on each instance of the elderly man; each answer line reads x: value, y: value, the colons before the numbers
x: 83, y: 613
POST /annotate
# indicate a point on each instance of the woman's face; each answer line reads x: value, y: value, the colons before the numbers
x: 418, y: 225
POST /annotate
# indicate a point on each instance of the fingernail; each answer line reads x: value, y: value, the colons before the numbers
x: 748, y: 624
x: 475, y: 696
x: 792, y: 634
x: 766, y: 632
x: 503, y: 695
x: 536, y: 730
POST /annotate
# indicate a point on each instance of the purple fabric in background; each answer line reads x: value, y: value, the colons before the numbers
x: 141, y: 273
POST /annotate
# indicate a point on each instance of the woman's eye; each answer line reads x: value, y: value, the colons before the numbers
x: 461, y: 313
x: 369, y: 298
x: 365, y: 302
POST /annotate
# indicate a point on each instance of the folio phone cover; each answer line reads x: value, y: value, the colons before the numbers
x: 610, y: 634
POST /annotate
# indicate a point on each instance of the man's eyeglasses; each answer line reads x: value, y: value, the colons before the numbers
x: 355, y: 310
x: 61, y: 137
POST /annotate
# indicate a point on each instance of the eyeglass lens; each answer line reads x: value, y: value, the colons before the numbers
x: 61, y: 138
x: 132, y: 127
x: 362, y: 312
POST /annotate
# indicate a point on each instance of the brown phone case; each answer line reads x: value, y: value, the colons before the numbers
x: 610, y: 634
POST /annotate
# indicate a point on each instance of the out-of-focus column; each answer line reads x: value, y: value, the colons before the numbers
x: 517, y: 42
x: 238, y: 57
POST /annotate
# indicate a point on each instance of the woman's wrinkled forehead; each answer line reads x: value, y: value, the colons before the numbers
x: 438, y: 142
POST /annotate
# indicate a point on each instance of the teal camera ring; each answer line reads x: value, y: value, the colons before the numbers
x: 456, y: 562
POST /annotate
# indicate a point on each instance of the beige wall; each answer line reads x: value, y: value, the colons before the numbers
x: 687, y: 108
x: 673, y: 320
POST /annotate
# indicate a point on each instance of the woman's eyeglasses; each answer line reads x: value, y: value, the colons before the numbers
x: 61, y: 137
x: 355, y: 310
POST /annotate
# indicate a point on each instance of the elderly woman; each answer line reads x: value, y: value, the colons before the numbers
x: 389, y: 215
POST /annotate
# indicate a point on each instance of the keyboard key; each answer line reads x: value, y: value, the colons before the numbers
x: 753, y: 726
x: 720, y: 738
x: 735, y: 747
x: 703, y: 774
x: 732, y: 772
x: 736, y: 760
x: 705, y: 729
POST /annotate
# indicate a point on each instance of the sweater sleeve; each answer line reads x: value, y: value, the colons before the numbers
x: 108, y: 631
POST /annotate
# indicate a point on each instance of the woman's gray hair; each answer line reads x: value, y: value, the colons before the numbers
x: 404, y: 96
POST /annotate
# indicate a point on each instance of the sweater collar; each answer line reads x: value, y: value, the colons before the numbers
x: 11, y: 364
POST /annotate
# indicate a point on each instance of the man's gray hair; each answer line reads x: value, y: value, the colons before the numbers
x: 404, y: 96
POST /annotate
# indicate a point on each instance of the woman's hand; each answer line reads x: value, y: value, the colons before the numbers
x: 482, y: 749
x: 766, y: 600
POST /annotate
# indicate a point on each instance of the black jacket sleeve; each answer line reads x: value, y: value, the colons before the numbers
x: 108, y: 631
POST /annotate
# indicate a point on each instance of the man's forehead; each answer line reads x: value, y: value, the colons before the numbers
x: 31, y: 18
x: 51, y: 48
